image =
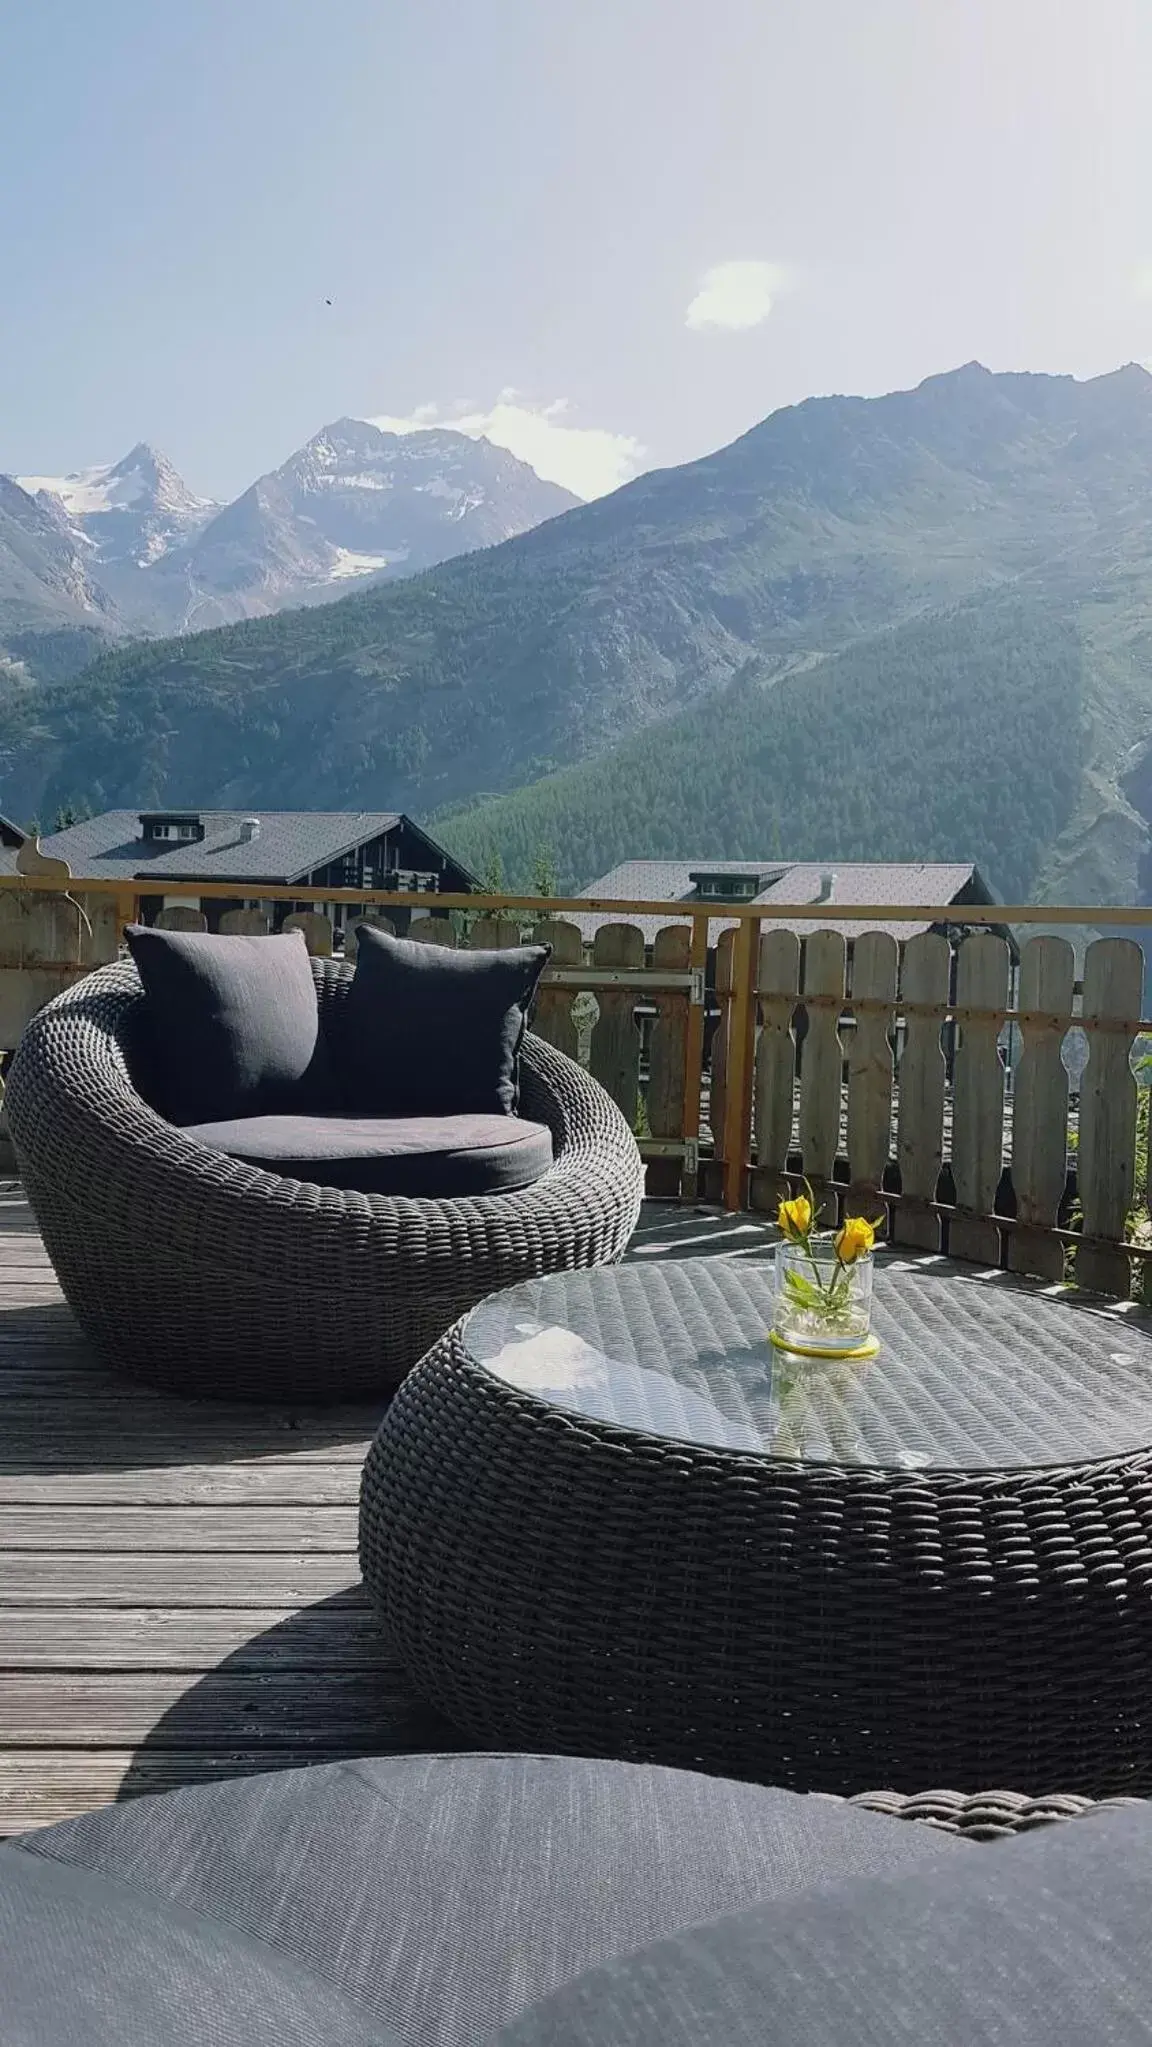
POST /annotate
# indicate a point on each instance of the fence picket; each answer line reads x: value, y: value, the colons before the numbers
x: 317, y: 931
x: 376, y: 923
x: 1113, y: 988
x: 432, y: 931
x: 494, y: 934
x: 100, y: 938
x: 920, y: 1117
x: 718, y: 1054
x: 778, y: 986
x: 42, y: 940
x: 41, y: 930
x: 1040, y: 1107
x: 822, y: 1065
x: 615, y: 1038
x: 181, y: 917
x: 875, y: 965
x: 671, y: 948
x: 552, y: 1015
x: 982, y: 968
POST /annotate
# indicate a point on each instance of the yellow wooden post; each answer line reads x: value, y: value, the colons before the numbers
x: 694, y: 1059
x: 127, y: 911
x: 741, y: 1050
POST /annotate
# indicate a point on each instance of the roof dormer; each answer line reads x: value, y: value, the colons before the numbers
x: 721, y: 885
x: 170, y: 827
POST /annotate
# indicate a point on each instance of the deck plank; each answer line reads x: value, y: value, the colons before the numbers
x: 69, y: 1578
x: 38, y: 1787
x: 277, y: 1483
x: 123, y: 1430
x: 338, y: 1637
x: 179, y: 1588
x: 372, y: 1711
x: 161, y: 1530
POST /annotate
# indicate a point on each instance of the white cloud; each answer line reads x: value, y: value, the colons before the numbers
x: 736, y: 295
x: 589, y: 460
x: 1140, y: 279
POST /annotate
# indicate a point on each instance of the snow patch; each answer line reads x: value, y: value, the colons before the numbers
x: 340, y: 480
x: 349, y: 564
x: 87, y: 491
x: 437, y: 488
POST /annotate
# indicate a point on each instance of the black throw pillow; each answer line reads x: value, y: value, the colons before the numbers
x: 429, y: 1031
x: 230, y: 1026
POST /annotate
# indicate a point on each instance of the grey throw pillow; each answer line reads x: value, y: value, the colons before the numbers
x: 428, y: 1031
x: 230, y: 1026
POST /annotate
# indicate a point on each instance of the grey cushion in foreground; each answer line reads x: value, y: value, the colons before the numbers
x: 443, y: 1895
x: 88, y: 1961
x: 1040, y: 1942
x: 437, y: 1156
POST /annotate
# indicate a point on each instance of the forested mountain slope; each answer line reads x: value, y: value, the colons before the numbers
x: 850, y: 760
x: 828, y: 525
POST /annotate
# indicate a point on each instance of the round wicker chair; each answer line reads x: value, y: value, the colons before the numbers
x: 196, y: 1273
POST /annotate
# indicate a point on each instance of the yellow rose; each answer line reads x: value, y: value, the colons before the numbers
x: 854, y: 1238
x: 795, y: 1217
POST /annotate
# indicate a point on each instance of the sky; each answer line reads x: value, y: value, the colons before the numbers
x: 612, y: 233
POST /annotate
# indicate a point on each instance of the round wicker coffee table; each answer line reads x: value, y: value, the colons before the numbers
x: 605, y: 1516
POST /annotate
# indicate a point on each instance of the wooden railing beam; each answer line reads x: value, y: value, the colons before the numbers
x: 949, y: 915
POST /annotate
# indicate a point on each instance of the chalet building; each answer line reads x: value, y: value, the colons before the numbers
x: 318, y: 849
x: 785, y: 882
x: 935, y: 884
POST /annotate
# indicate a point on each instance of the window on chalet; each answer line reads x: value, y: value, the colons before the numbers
x: 176, y: 828
x: 727, y: 888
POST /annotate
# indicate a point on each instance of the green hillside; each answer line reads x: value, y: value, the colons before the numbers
x: 852, y: 759
x: 651, y: 641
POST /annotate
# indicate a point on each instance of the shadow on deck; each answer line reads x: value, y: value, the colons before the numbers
x: 180, y: 1598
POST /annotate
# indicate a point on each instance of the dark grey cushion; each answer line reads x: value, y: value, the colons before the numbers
x: 230, y: 1026
x: 447, y: 1893
x: 429, y: 1031
x: 1038, y: 1942
x: 419, y: 1155
x: 89, y: 1961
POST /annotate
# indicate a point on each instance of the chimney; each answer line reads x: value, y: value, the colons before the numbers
x: 249, y: 830
x: 827, y: 886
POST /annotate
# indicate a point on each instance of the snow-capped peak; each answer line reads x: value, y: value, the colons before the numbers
x: 133, y: 510
x: 86, y: 491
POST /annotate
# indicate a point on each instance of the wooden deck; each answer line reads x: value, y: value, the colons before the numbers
x: 179, y: 1592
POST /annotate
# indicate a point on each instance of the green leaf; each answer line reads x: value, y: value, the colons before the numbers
x: 804, y: 1293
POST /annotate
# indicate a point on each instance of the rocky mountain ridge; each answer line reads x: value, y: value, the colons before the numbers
x: 354, y: 505
x: 804, y: 558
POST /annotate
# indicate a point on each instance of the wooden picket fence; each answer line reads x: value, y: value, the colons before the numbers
x: 880, y: 1074
x: 878, y: 1070
x: 620, y: 1007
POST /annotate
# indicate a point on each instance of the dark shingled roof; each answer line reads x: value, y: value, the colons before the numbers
x: 290, y: 845
x: 933, y: 883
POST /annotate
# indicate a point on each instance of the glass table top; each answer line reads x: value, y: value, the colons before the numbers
x: 976, y: 1371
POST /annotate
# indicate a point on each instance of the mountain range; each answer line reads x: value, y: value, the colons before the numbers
x: 128, y: 549
x: 907, y: 627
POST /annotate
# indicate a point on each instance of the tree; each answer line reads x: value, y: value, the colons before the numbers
x: 545, y: 881
x: 492, y: 871
x: 76, y: 812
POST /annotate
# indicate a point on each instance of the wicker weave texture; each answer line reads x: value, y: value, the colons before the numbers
x: 985, y: 1815
x: 556, y: 1582
x: 194, y: 1272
